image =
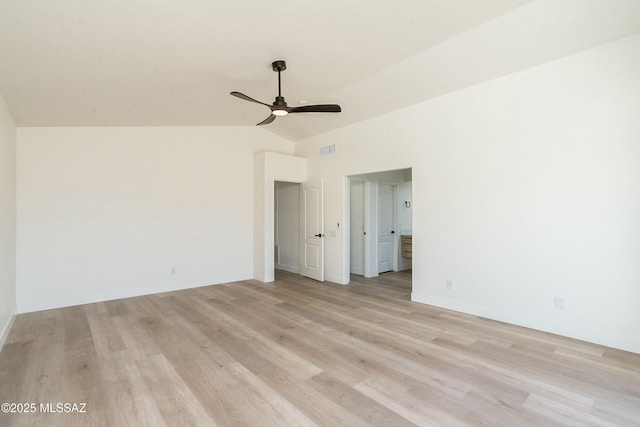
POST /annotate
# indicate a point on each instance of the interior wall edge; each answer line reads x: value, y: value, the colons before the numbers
x: 7, y: 329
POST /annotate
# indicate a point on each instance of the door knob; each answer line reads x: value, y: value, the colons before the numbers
x: 319, y: 235
x: 393, y: 232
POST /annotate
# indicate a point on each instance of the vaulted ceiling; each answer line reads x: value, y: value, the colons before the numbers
x: 174, y: 62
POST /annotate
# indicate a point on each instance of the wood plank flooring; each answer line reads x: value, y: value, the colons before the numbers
x: 300, y: 353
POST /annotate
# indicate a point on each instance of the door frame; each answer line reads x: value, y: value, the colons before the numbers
x: 371, y: 257
x: 268, y: 168
x: 277, y: 215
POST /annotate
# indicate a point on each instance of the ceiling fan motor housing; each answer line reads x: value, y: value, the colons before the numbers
x: 280, y: 102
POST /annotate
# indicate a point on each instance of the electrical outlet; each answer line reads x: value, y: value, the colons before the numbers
x: 449, y: 284
x: 558, y: 303
x: 173, y: 271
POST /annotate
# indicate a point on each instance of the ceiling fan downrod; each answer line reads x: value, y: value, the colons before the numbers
x: 279, y: 66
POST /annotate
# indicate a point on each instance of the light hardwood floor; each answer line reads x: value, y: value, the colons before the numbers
x: 297, y: 352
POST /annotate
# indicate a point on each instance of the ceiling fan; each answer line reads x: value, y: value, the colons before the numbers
x: 279, y: 106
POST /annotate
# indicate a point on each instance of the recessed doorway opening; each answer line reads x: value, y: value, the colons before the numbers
x: 380, y: 223
x: 286, y: 226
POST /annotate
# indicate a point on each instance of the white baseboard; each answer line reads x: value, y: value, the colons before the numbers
x: 404, y: 266
x: 70, y: 301
x: 626, y: 343
x: 7, y: 328
x: 290, y: 269
x: 335, y: 279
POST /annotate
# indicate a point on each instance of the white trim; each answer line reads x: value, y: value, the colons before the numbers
x: 337, y: 278
x: 619, y: 341
x: 283, y: 267
x: 267, y: 169
x: 7, y: 329
x: 357, y: 271
x: 74, y: 300
x: 370, y: 227
x: 346, y: 229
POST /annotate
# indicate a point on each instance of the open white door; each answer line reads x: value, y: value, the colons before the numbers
x: 385, y: 228
x: 312, y: 227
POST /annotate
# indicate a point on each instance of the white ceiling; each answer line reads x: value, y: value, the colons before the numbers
x: 174, y: 62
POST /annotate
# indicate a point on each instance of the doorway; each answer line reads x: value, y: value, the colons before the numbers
x: 298, y: 234
x: 380, y: 213
x: 286, y: 226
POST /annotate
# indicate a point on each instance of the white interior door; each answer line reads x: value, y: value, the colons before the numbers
x: 386, y: 232
x: 312, y: 227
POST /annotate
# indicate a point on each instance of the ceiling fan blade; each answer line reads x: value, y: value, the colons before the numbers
x: 247, y: 98
x: 323, y: 108
x: 267, y: 120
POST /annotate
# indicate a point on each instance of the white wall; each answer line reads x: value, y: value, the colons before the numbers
x: 7, y: 219
x: 287, y: 224
x: 107, y: 213
x: 525, y: 188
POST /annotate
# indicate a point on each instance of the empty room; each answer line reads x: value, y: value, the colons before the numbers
x: 448, y: 236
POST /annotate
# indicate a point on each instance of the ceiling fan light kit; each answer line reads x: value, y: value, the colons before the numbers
x: 280, y: 107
